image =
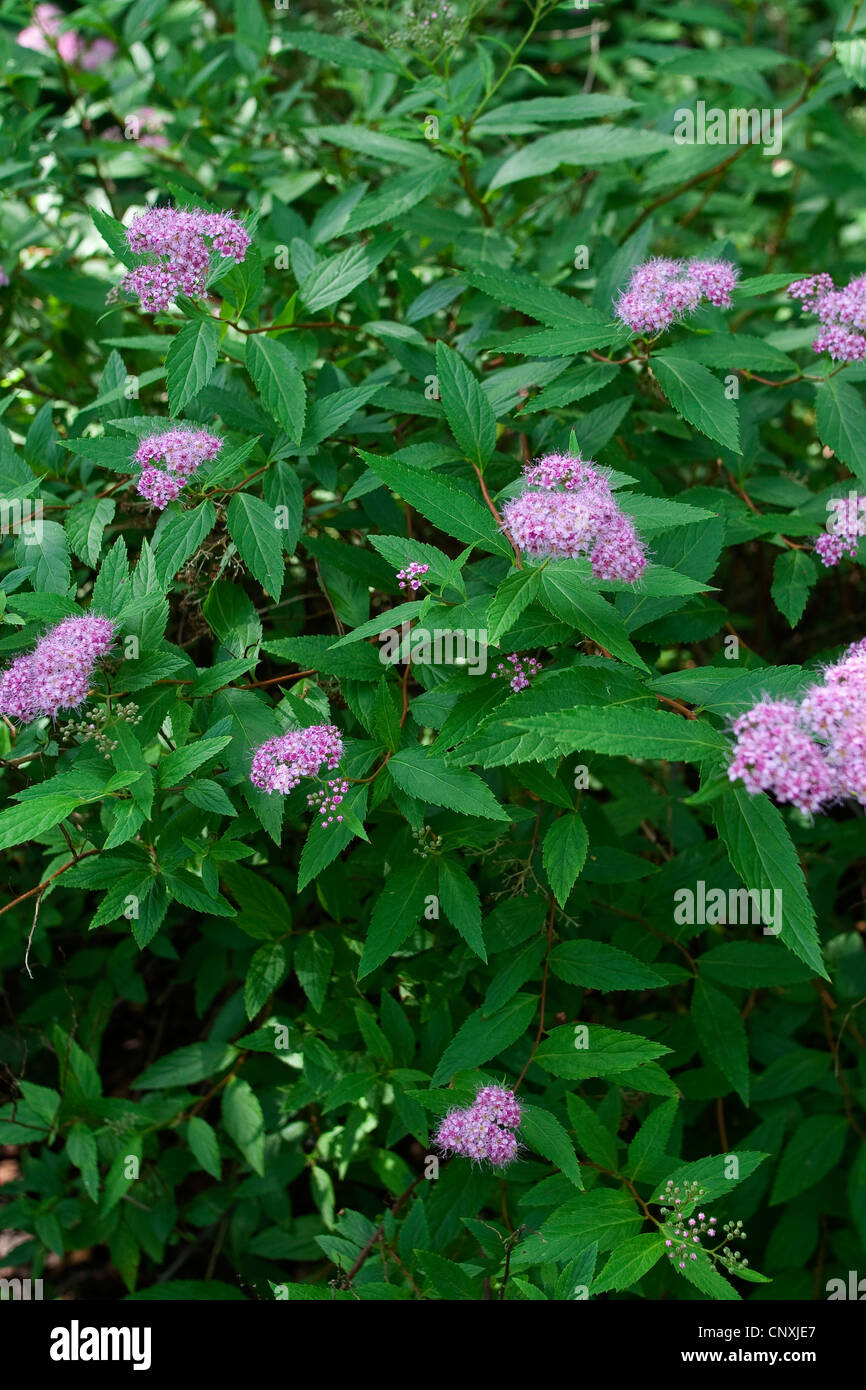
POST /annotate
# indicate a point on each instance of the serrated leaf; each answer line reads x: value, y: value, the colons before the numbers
x: 190, y: 361
x: 467, y: 409
x: 252, y: 527
x: 699, y: 397
x: 564, y: 854
x: 277, y: 377
x: 430, y: 779
x: 244, y: 1121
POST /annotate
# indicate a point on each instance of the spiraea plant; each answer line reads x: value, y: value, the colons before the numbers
x: 430, y: 495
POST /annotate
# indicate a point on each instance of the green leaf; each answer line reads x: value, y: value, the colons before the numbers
x: 596, y: 1141
x: 113, y: 233
x: 203, y: 1141
x: 190, y: 361
x: 461, y: 904
x: 180, y: 762
x: 814, y: 1150
x: 186, y: 1066
x: 21, y: 823
x: 722, y: 1035
x: 430, y: 778
x: 397, y: 912
x: 47, y: 550
x: 699, y: 397
x: 714, y: 1174
x: 841, y: 420
x: 446, y: 1279
x: 277, y: 377
x: 763, y: 855
x: 180, y: 537
x: 568, y: 596
x: 752, y: 965
x: 596, y: 965
x: 85, y: 524
x: 509, y: 601
x: 82, y: 1151
x: 329, y: 48
x: 244, y: 1122
x: 266, y: 972
x: 252, y: 527
x: 565, y: 846
x: 467, y: 409
x: 335, y: 278
x: 794, y: 576
x: 543, y: 1133
x: 314, y: 957
x: 629, y: 1262
x: 851, y: 55
x: 483, y: 1036
x: 586, y: 1050
x: 587, y: 147
x: 448, y: 507
x: 626, y: 733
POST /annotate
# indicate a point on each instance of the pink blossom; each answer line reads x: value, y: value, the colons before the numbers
x: 58, y: 673
x: 523, y: 668
x: 661, y: 291
x: 483, y: 1131
x: 177, y: 239
x: 182, y: 450
x: 567, y: 509
x: 410, y: 576
x: 44, y: 36
x: 842, y: 314
x: 813, y: 752
x: 279, y: 764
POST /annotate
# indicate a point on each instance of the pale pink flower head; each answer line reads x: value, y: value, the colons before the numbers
x: 280, y: 763
x: 517, y: 670
x: 177, y: 239
x: 661, y: 291
x: 58, y: 673
x: 181, y: 451
x: 567, y: 509
x: 96, y: 54
x: 483, y: 1131
x: 44, y: 36
x: 410, y: 576
x: 498, y: 1104
x: 774, y: 752
x: 842, y: 314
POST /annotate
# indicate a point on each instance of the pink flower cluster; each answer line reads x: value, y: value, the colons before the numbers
x: 813, y: 752
x: 523, y: 668
x: 567, y: 509
x: 843, y: 533
x: 410, y: 576
x: 484, y: 1131
x: 279, y: 764
x: 145, y: 126
x: 682, y: 1235
x: 58, y: 673
x: 178, y: 239
x: 183, y: 450
x: 842, y: 314
x: 328, y: 799
x: 661, y: 291
x: 43, y: 36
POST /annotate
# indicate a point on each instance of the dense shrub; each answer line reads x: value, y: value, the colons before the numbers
x: 430, y: 587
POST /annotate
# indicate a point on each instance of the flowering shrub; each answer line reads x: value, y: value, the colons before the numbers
x: 432, y: 709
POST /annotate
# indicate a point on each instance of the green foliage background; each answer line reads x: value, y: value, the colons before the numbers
x: 277, y: 1031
